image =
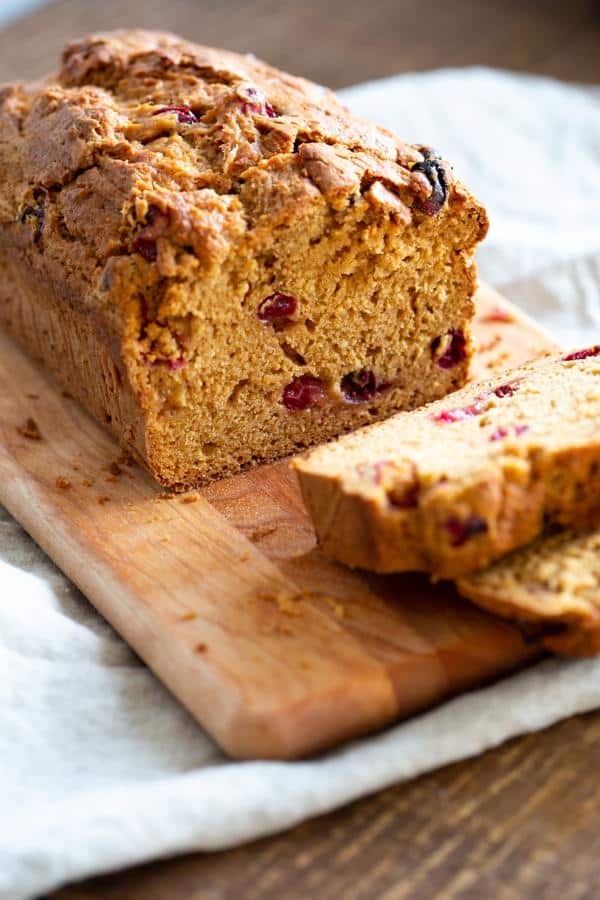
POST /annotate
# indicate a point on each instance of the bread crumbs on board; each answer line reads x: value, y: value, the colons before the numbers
x: 124, y: 459
x: 263, y: 531
x: 30, y: 430
x: 187, y: 616
x: 287, y: 603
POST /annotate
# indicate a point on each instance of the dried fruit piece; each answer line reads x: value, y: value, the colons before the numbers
x: 256, y: 102
x: 455, y: 349
x: 462, y: 530
x: 146, y: 247
x: 502, y: 432
x: 373, y: 471
x: 476, y: 408
x: 448, y: 416
x: 173, y: 365
x: 157, y: 223
x: 583, y: 354
x: 433, y: 168
x: 184, y: 114
x: 506, y: 390
x: 360, y: 386
x: 408, y: 499
x: 277, y: 307
x: 303, y: 392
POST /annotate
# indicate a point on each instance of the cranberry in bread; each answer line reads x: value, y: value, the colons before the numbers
x: 450, y: 487
x: 220, y: 261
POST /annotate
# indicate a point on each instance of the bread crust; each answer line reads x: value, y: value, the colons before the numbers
x: 153, y: 193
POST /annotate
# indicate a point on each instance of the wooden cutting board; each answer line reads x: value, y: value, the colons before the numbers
x: 276, y: 651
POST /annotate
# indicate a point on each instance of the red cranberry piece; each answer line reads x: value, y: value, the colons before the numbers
x: 360, y: 386
x: 408, y: 500
x: 501, y: 433
x: 462, y: 530
x: 448, y: 416
x: 173, y: 365
x: 455, y: 352
x: 302, y: 393
x: 276, y: 306
x: 373, y: 471
x: 433, y: 169
x: 184, y: 114
x: 506, y: 390
x: 257, y: 103
x: 583, y: 354
x: 146, y: 247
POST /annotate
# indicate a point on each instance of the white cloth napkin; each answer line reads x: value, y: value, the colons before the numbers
x: 99, y: 767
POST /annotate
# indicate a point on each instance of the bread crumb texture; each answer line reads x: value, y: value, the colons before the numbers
x: 221, y: 261
x: 553, y: 584
x: 452, y: 486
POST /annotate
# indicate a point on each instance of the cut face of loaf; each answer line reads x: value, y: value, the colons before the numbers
x: 219, y: 260
x: 450, y: 487
x: 551, y: 587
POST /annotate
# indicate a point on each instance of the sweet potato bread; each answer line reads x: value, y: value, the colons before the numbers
x: 551, y: 587
x: 219, y: 260
x: 451, y: 487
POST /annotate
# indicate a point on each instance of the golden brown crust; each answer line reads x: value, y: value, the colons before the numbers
x: 219, y: 120
x: 163, y: 190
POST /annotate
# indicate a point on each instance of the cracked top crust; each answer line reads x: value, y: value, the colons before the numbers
x: 146, y: 143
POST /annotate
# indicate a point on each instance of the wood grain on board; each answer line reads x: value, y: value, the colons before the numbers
x: 275, y: 650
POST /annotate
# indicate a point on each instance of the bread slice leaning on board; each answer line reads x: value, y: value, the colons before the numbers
x: 451, y: 487
x: 551, y: 587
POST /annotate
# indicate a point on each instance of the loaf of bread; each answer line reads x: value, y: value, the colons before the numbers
x: 220, y: 261
x: 451, y: 487
x: 551, y: 587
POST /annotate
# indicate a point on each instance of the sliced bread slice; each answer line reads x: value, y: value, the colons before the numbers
x: 551, y: 587
x: 456, y: 484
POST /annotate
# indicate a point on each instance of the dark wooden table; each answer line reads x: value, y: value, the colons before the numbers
x: 518, y: 822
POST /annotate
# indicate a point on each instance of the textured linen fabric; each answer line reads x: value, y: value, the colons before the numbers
x: 99, y: 767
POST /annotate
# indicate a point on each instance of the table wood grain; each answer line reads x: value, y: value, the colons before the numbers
x: 521, y: 821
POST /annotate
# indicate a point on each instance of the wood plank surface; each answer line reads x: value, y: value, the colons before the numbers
x: 275, y: 650
x: 520, y: 821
